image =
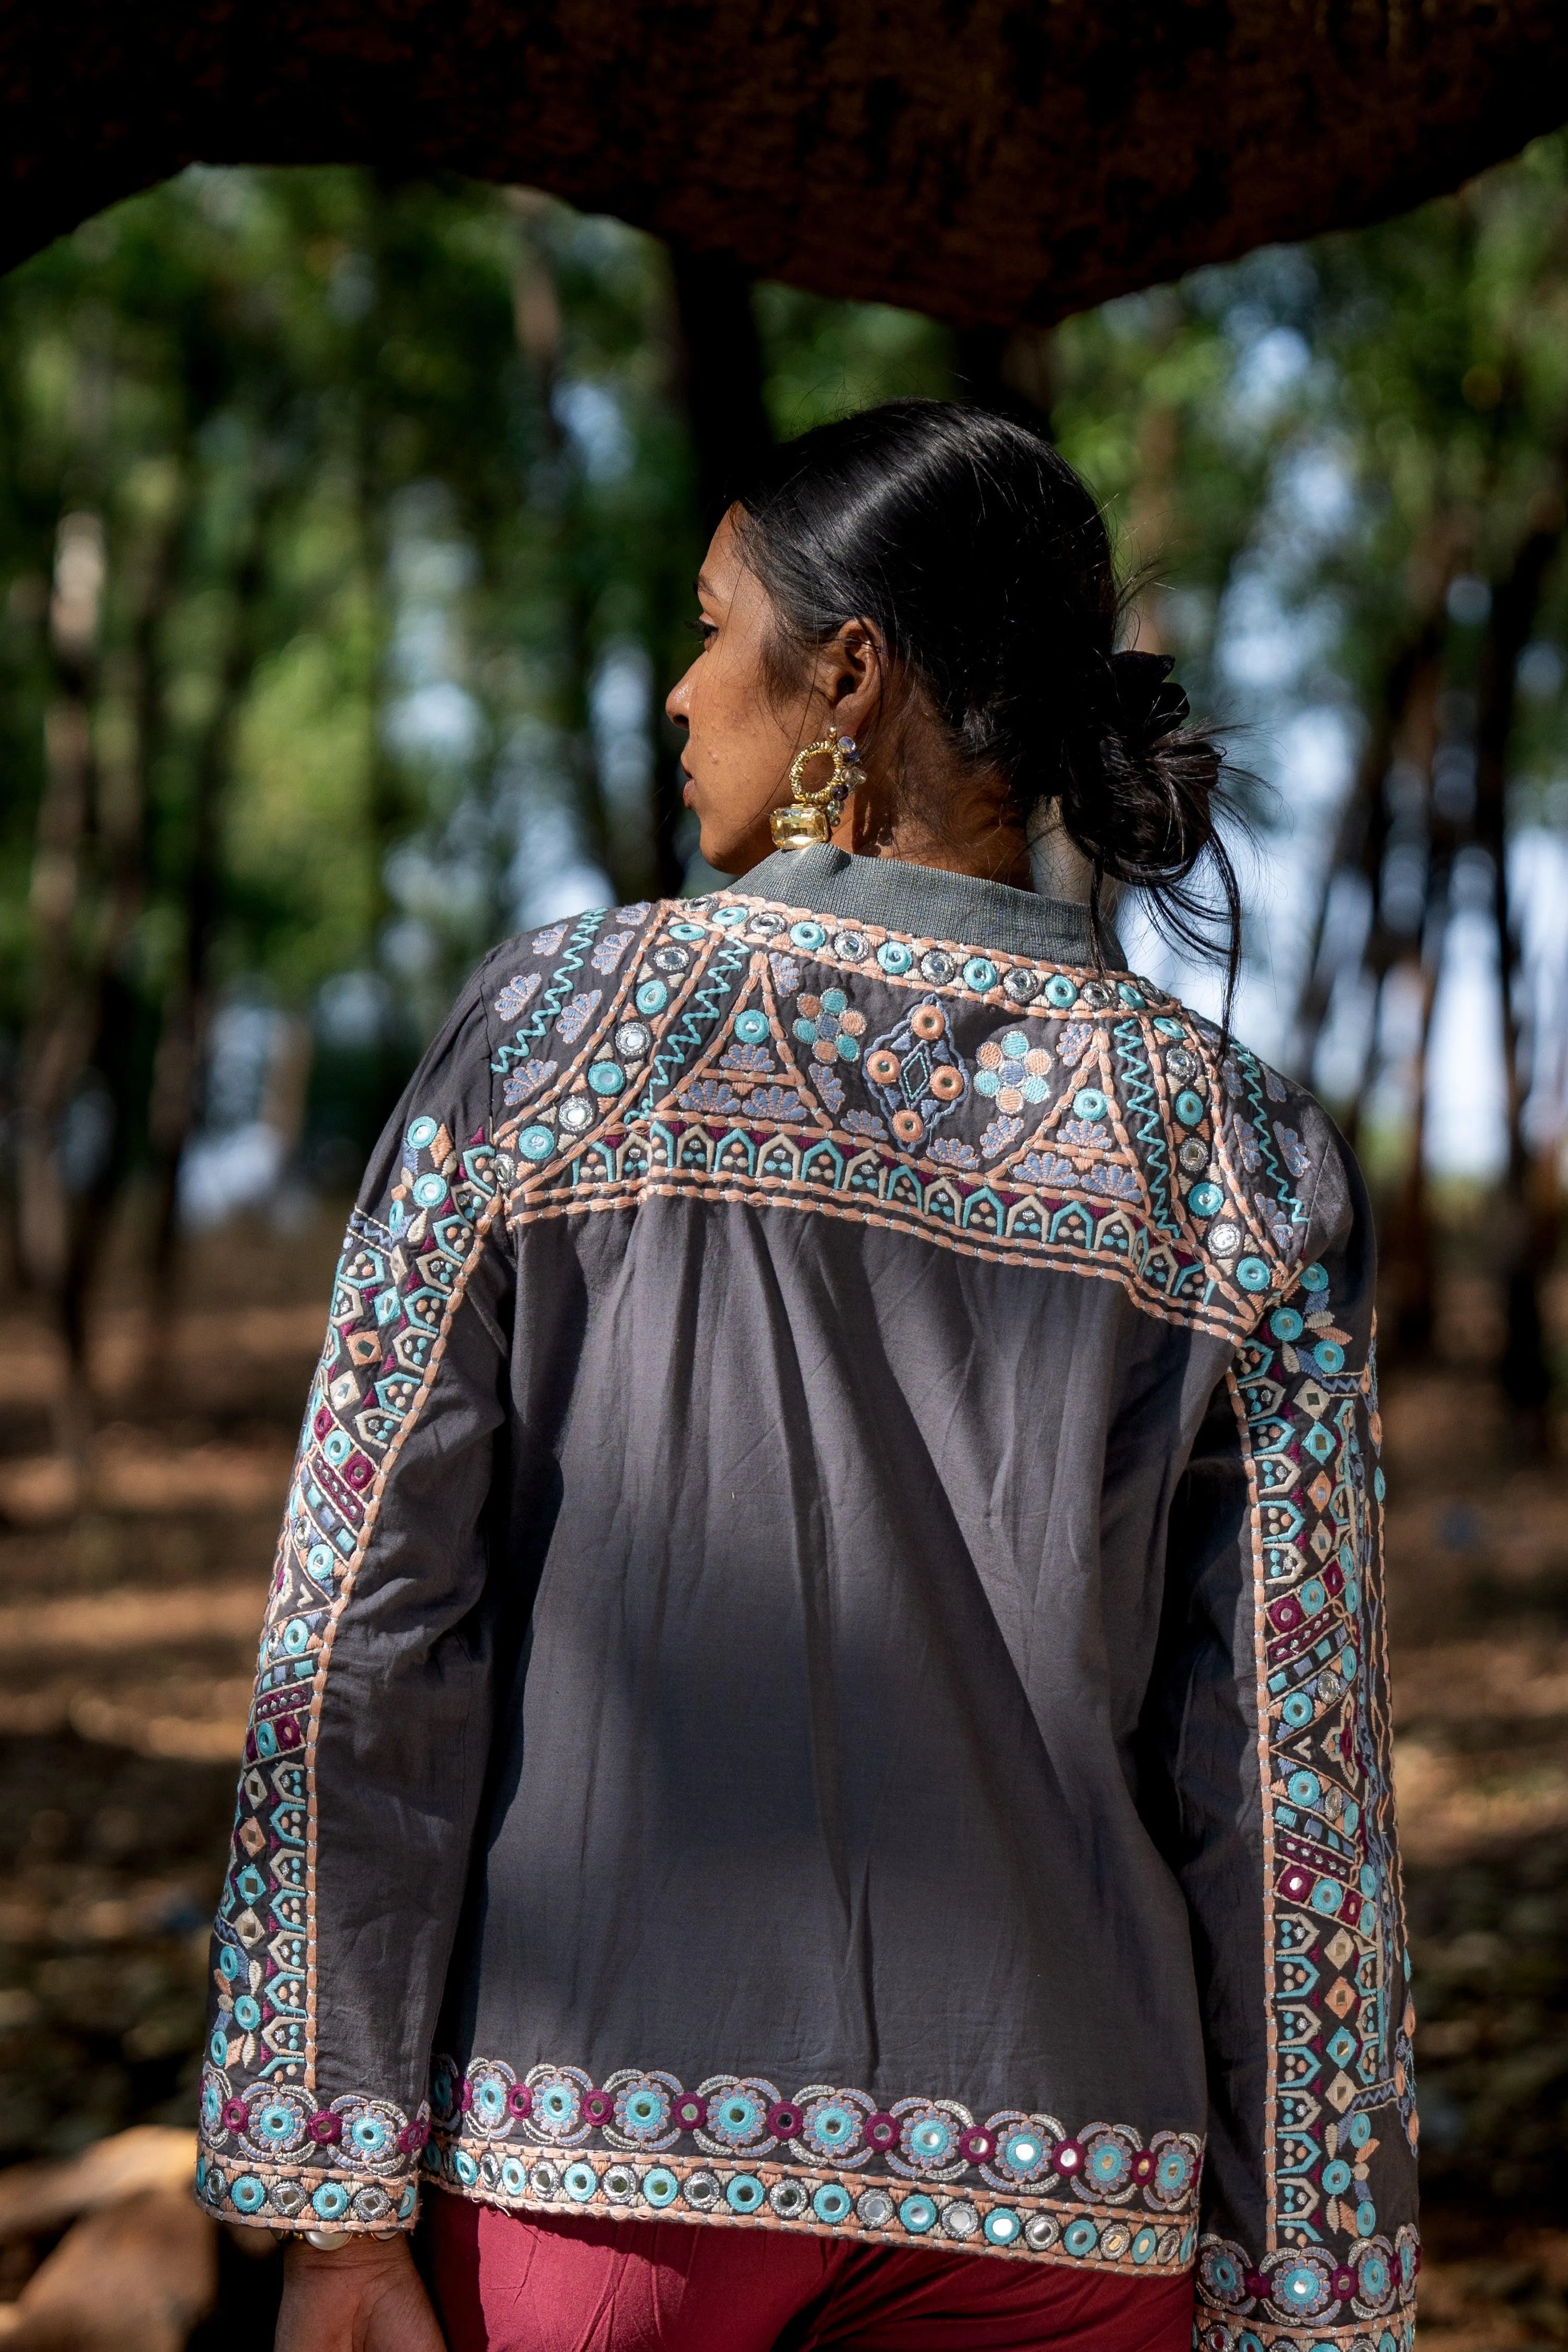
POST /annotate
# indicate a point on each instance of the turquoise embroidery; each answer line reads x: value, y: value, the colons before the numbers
x: 396, y: 1286
x: 736, y: 2145
x: 1172, y: 1221
x: 702, y: 1010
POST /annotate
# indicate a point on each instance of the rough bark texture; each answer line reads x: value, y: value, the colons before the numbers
x: 991, y: 162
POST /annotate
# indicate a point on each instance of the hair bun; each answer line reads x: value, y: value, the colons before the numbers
x: 1148, y: 705
x: 983, y: 558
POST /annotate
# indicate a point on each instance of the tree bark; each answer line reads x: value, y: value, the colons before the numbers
x: 1008, y: 369
x: 986, y: 164
x: 721, y: 357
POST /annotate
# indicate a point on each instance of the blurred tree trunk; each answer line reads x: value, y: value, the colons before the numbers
x: 124, y: 784
x: 178, y: 1082
x: 58, y: 1035
x: 1408, y: 1275
x: 720, y: 376
x: 717, y: 375
x: 536, y: 309
x: 1360, y: 841
x: 1009, y: 369
x: 388, y: 809
x: 88, y: 886
x: 1528, y: 1249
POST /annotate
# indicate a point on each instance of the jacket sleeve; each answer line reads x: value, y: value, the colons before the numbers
x: 370, y: 1730
x: 1273, y: 1752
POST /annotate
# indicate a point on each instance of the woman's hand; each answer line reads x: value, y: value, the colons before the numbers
x: 366, y: 2296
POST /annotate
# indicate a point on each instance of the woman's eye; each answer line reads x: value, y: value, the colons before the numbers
x: 706, y: 630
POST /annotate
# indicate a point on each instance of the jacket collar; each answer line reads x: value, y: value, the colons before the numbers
x: 927, y: 903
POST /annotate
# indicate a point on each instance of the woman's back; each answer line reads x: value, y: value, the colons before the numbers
x: 930, y: 1558
x: 826, y: 1671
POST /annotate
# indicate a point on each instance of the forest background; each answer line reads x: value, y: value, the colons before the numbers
x: 347, y: 534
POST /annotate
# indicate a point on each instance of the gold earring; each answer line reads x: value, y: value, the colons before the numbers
x: 814, y: 817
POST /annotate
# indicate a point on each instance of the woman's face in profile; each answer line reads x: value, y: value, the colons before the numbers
x: 739, y: 740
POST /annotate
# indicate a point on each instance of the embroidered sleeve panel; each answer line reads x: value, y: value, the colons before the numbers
x: 991, y: 1105
x: 1309, y: 2193
x: 308, y: 2119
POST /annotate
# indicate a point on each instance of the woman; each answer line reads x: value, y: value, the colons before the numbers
x: 820, y: 1768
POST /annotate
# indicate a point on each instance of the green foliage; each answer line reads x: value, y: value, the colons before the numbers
x: 397, y: 508
x: 824, y: 359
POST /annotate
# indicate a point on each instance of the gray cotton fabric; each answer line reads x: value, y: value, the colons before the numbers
x: 826, y: 1670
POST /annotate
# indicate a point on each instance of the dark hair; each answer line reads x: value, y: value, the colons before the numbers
x: 985, y: 560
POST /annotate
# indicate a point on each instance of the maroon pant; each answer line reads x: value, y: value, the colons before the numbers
x: 514, y: 2283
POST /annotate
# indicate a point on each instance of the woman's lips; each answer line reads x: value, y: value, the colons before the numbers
x: 688, y: 789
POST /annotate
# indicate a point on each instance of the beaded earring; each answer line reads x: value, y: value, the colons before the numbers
x: 812, y: 816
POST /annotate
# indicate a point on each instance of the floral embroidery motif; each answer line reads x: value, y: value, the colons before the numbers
x: 517, y: 995
x: 609, y: 950
x: 821, y: 2159
x: 271, y: 2154
x: 829, y: 1026
x: 710, y: 1095
x: 754, y: 1060
x: 526, y: 1082
x: 577, y: 1016
x: 1179, y: 1232
x: 1109, y: 1177
x: 775, y: 1102
x: 1373, y: 2290
x: 999, y: 1135
x: 1012, y: 1072
x: 545, y: 943
x: 913, y: 1073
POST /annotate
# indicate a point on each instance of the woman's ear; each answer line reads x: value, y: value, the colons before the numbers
x: 850, y: 671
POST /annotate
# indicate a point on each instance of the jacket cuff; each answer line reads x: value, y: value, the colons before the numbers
x: 1302, y: 2299
x: 273, y: 2157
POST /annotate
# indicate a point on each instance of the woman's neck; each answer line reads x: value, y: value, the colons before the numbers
x: 959, y: 825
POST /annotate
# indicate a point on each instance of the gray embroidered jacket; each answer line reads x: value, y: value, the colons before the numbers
x: 825, y: 1665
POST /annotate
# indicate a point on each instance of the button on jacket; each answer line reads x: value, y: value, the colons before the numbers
x: 826, y: 1668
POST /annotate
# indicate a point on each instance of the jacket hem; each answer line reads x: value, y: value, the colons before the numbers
x: 1222, y: 2332
x: 818, y: 2202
